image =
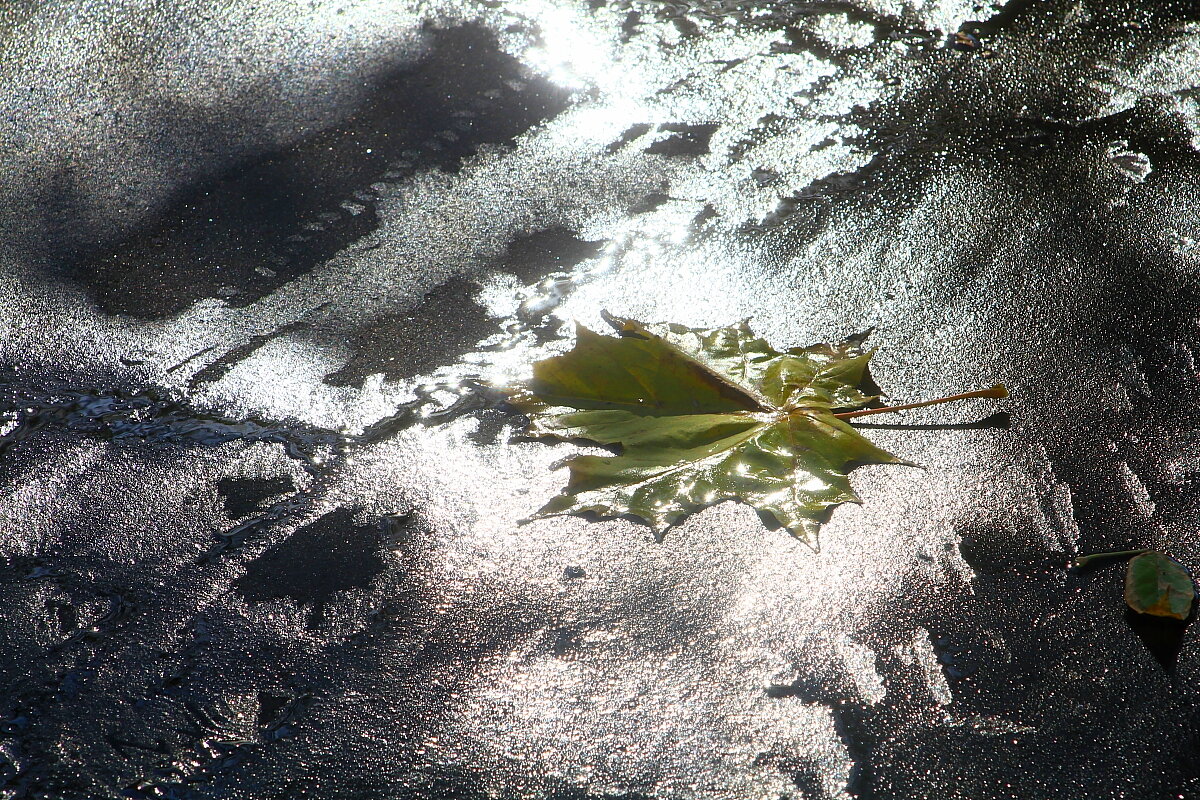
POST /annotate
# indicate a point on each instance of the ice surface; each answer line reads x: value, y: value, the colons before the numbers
x: 260, y: 519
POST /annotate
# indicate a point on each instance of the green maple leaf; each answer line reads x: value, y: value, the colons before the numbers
x: 704, y: 416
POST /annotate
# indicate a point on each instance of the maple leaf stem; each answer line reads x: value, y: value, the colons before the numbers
x: 997, y: 392
x: 1083, y: 561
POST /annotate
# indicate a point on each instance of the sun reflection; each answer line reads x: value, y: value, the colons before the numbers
x: 814, y: 484
x: 568, y: 53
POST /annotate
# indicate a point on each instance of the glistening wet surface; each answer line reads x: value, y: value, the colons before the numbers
x: 266, y: 266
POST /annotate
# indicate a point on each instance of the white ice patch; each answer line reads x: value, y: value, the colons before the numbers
x: 1131, y: 164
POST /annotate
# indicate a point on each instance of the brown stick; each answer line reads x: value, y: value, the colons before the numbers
x: 997, y: 392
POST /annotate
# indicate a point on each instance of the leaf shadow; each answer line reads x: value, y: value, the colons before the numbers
x: 596, y: 516
x: 1161, y: 636
x: 771, y: 523
x: 1001, y: 420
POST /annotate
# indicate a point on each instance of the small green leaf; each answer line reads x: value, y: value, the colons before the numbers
x: 1158, y: 585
